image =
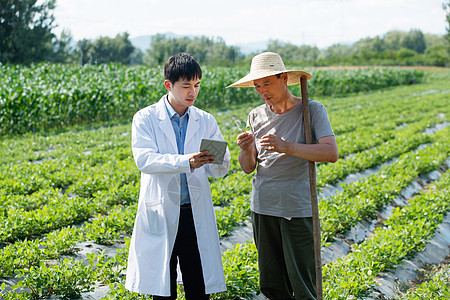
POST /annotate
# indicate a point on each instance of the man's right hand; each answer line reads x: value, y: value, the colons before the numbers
x: 201, y: 158
x: 247, y: 157
x: 245, y: 140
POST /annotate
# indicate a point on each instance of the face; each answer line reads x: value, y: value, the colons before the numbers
x: 182, y: 93
x: 271, y: 88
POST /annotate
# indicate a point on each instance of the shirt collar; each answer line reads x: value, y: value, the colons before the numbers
x: 170, y: 109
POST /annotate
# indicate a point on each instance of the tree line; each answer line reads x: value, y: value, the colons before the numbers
x: 392, y: 48
x: 26, y: 36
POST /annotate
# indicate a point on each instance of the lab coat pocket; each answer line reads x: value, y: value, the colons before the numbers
x: 155, y: 218
x: 196, y: 188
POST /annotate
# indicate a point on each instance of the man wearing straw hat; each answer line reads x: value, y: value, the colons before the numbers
x: 281, y: 200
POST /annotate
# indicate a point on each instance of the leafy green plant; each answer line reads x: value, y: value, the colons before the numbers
x: 435, y: 286
x: 241, y: 272
x: 242, y: 126
x: 68, y: 279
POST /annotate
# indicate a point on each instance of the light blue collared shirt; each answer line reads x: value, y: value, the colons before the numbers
x: 179, y: 125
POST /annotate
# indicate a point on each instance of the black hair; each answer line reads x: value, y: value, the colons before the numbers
x: 182, y: 65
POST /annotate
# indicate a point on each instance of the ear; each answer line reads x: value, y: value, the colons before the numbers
x: 168, y: 85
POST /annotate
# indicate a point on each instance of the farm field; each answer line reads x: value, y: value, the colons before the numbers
x: 68, y: 192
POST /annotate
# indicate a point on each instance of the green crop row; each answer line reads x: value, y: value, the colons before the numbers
x: 343, y: 82
x: 362, y: 199
x: 62, y: 211
x: 404, y: 233
x: 435, y: 286
x: 399, y: 106
x: 405, y: 139
x: 28, y: 253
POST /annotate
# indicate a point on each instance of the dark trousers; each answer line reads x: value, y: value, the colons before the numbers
x: 285, y: 257
x: 186, y: 252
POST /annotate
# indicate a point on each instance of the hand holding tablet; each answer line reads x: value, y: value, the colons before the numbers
x: 214, y: 147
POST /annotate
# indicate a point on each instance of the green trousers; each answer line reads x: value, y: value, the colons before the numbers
x: 285, y: 257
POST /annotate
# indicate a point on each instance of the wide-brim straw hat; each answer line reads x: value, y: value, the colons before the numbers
x: 268, y: 64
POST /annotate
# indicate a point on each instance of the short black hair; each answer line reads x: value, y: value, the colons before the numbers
x: 182, y: 65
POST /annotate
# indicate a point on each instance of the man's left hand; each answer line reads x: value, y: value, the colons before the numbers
x: 273, y: 142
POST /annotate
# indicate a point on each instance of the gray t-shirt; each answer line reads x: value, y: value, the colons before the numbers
x: 281, y: 185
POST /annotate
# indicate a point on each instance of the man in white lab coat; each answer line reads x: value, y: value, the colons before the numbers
x: 175, y: 220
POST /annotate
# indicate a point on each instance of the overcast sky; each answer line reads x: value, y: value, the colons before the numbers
x: 318, y: 23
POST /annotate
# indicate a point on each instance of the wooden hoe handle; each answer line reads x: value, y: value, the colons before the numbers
x: 313, y: 188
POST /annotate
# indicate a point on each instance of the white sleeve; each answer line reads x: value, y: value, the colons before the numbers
x: 147, y: 155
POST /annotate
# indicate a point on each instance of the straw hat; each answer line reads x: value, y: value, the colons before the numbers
x: 268, y: 64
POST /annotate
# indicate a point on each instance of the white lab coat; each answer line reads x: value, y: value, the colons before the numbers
x: 156, y: 155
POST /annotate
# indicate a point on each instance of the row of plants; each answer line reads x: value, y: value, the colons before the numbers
x: 48, y: 96
x: 401, y: 106
x: 435, y: 285
x: 405, y: 139
x: 403, y: 234
x: 361, y: 199
x: 376, y: 134
x: 348, y: 81
x: 30, y: 252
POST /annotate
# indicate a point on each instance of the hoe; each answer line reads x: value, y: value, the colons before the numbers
x: 313, y: 188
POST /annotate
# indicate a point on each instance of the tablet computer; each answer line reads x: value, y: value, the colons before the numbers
x: 216, y: 148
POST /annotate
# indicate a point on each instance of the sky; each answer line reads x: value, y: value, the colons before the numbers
x: 320, y: 23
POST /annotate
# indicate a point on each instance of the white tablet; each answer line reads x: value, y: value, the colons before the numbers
x: 216, y: 148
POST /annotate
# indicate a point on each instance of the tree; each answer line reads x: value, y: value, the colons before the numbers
x: 292, y: 53
x: 437, y: 55
x: 205, y: 50
x: 136, y: 58
x: 219, y: 53
x: 112, y: 50
x: 368, y: 45
x: 405, y: 53
x: 446, y: 6
x: 393, y: 40
x: 161, y: 48
x: 434, y: 39
x: 85, y: 51
x: 415, y: 41
x: 61, y: 48
x: 335, y: 50
x: 106, y: 50
x: 25, y: 30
